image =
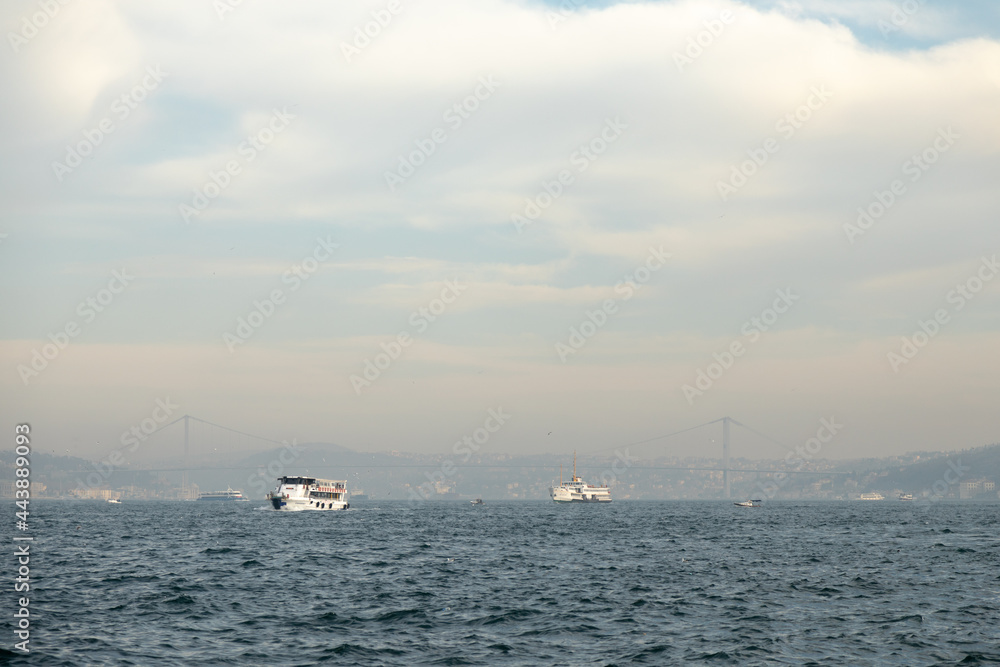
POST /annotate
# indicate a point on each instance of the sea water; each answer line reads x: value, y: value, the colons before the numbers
x: 514, y: 583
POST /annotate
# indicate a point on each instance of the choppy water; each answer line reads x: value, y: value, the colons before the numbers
x: 668, y: 583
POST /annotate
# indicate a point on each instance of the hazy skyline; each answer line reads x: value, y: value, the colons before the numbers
x: 471, y: 189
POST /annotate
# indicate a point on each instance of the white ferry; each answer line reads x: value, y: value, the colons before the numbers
x: 228, y: 494
x: 309, y: 493
x: 871, y: 496
x: 578, y: 491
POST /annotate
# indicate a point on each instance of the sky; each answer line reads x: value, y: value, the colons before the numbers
x: 611, y: 221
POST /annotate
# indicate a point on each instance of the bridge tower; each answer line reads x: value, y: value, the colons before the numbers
x: 725, y: 457
x: 184, y: 482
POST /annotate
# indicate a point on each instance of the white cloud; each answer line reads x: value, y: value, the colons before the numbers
x: 657, y: 184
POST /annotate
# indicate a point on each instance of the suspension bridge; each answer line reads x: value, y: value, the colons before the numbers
x: 206, y: 445
x: 726, y: 469
x: 230, y: 443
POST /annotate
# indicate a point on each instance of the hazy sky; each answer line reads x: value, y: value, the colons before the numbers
x: 478, y: 177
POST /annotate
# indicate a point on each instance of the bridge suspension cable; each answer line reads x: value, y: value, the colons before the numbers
x: 225, y: 428
x: 653, y: 439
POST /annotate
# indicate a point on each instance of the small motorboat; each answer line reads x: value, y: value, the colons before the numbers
x: 114, y: 501
x: 477, y: 501
x: 750, y: 503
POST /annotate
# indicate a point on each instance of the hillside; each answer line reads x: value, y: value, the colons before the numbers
x: 970, y: 464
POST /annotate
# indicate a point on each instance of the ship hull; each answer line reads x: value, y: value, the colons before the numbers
x: 303, y: 505
x: 595, y: 495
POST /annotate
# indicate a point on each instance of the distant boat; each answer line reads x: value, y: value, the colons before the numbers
x: 871, y: 496
x: 906, y: 496
x: 228, y: 494
x: 114, y: 501
x: 750, y: 503
x: 477, y: 501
